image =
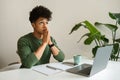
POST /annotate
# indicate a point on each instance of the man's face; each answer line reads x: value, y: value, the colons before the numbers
x: 40, y: 25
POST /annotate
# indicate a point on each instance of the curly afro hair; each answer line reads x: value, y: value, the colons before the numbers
x: 40, y: 11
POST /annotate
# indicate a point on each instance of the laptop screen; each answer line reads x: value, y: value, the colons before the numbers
x: 101, y: 59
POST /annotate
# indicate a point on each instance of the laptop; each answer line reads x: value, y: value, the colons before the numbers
x: 100, y: 62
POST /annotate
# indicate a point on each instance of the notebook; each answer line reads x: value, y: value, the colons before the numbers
x: 44, y: 69
x: 52, y: 68
x: 100, y: 62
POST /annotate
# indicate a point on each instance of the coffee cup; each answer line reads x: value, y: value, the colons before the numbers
x: 77, y: 59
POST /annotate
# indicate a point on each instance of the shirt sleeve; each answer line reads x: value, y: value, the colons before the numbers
x: 60, y: 57
x: 28, y: 57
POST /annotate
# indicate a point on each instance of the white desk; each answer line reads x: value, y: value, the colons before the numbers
x: 112, y: 72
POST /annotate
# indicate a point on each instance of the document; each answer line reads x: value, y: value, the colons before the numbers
x: 46, y: 70
x: 51, y: 68
x: 59, y: 66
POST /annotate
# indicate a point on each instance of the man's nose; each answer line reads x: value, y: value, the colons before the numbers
x: 45, y: 25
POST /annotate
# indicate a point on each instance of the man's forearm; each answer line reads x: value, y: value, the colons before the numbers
x: 40, y: 51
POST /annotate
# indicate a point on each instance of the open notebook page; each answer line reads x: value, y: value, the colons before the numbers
x: 45, y: 70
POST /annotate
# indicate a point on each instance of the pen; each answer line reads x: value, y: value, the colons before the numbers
x: 51, y: 67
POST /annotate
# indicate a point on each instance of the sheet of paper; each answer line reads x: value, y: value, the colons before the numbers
x: 59, y: 66
x: 45, y: 70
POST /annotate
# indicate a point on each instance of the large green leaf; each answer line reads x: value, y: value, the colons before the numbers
x: 94, y: 50
x: 115, y: 16
x: 115, y: 52
x: 106, y: 40
x: 87, y: 25
x: 88, y: 41
x: 91, y: 38
x: 115, y: 48
x: 117, y: 40
x: 90, y: 27
x: 95, y: 34
x: 87, y: 34
x: 76, y: 27
x: 110, y: 26
x: 111, y: 15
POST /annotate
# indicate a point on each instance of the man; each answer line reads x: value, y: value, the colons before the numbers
x: 37, y: 47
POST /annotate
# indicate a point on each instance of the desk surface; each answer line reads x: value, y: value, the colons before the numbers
x: 110, y: 73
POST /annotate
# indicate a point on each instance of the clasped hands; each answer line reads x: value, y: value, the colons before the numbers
x: 46, y: 36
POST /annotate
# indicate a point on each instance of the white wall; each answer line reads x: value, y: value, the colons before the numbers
x: 66, y: 13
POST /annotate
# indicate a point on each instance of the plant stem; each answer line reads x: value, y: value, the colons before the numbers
x: 99, y: 42
x: 114, y: 35
x: 118, y: 54
x: 96, y: 42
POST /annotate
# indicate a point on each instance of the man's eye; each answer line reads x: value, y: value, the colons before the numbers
x: 41, y: 23
x: 46, y: 22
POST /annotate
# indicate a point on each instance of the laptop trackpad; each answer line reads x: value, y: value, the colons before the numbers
x: 81, y: 69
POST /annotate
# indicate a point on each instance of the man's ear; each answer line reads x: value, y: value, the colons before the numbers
x: 33, y: 25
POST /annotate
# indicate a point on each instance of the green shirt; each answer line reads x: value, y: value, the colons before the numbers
x: 28, y: 44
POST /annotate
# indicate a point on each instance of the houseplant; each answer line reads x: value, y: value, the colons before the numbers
x: 113, y: 28
x: 101, y: 40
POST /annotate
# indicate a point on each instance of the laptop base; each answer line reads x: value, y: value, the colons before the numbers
x: 83, y: 69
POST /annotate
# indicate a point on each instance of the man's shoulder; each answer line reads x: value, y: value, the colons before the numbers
x: 25, y: 37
